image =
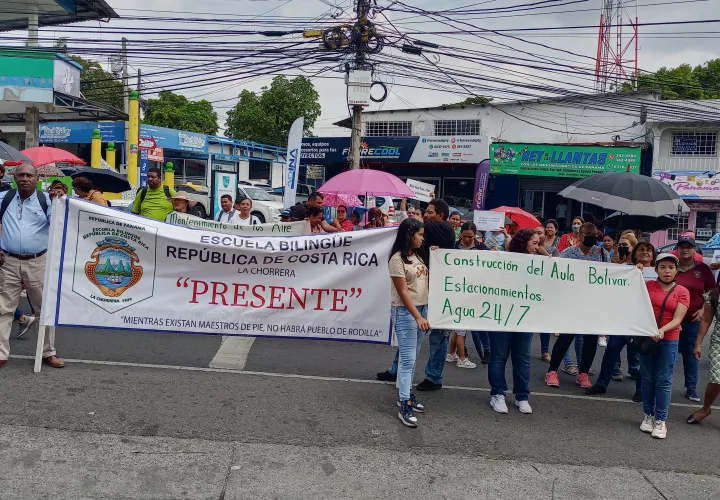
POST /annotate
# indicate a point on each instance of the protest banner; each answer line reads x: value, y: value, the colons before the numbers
x: 486, y: 220
x: 423, y: 191
x: 501, y: 291
x: 122, y: 271
x: 275, y: 229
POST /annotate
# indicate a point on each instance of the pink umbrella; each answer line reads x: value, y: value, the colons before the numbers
x: 43, y: 155
x: 335, y: 200
x: 367, y: 182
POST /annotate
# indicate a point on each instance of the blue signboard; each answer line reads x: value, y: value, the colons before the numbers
x: 685, y: 144
x: 144, y: 165
x: 169, y: 138
x: 335, y: 149
x: 81, y: 132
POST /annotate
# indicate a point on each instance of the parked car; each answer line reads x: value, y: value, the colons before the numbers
x: 261, y: 185
x: 200, y: 194
x: 121, y: 205
x: 302, y: 193
x: 707, y: 255
x: 265, y: 206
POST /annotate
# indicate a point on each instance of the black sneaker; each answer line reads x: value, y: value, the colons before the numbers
x: 426, y: 385
x: 485, y: 357
x: 596, y: 389
x: 417, y: 407
x: 387, y: 376
x: 406, y: 414
x: 637, y: 397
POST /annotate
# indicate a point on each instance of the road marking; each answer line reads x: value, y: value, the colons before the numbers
x: 335, y: 379
x: 233, y: 353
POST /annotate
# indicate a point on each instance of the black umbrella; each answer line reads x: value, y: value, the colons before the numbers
x: 105, y: 180
x: 629, y: 193
x: 12, y: 155
x: 619, y: 220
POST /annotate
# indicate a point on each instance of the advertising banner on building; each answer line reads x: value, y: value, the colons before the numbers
x: 482, y: 176
x: 425, y: 149
x: 561, y: 161
x: 223, y: 183
x: 501, y: 291
x: 81, y: 132
x: 181, y: 140
x: 691, y: 185
x: 127, y: 272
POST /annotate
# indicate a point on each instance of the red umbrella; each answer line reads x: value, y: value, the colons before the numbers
x: 523, y: 219
x: 43, y: 155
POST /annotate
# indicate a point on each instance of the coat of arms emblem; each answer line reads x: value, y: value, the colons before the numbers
x: 114, y: 267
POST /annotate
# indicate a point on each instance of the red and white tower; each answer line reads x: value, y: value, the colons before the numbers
x: 617, y: 53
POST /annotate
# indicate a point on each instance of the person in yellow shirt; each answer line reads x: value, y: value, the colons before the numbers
x: 154, y: 201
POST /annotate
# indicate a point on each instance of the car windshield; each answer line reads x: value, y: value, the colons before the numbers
x: 257, y: 194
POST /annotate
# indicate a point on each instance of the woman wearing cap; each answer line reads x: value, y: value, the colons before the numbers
x: 182, y: 202
x: 670, y: 302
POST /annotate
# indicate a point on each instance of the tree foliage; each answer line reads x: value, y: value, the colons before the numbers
x: 470, y: 101
x: 97, y: 85
x: 177, y: 111
x: 267, y: 117
x: 683, y: 82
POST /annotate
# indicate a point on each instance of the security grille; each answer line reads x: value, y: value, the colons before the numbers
x: 388, y: 129
x: 694, y: 144
x: 457, y: 127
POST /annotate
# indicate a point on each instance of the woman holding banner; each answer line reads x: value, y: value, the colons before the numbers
x: 512, y: 344
x: 670, y: 303
x: 410, y: 288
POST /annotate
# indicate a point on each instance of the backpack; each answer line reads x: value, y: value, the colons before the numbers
x: 143, y: 193
x: 10, y: 195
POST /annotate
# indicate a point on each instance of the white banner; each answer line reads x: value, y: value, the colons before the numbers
x: 293, y: 161
x: 423, y: 191
x: 115, y: 270
x: 452, y: 149
x: 276, y: 229
x: 486, y: 220
x: 502, y: 291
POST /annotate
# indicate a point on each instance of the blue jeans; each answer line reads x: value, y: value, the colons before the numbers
x: 439, y: 340
x: 686, y: 346
x: 410, y: 338
x: 657, y: 373
x: 544, y: 343
x: 579, y: 342
x: 481, y: 341
x: 612, y: 355
x: 515, y: 345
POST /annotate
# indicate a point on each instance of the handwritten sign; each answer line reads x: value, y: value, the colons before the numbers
x: 275, y: 229
x: 488, y: 221
x: 502, y: 291
x: 422, y: 190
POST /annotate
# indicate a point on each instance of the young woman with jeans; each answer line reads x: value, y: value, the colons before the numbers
x: 514, y: 345
x: 409, y: 275
x: 670, y: 303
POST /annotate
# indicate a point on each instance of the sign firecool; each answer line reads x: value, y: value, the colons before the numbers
x: 501, y: 291
x: 126, y: 272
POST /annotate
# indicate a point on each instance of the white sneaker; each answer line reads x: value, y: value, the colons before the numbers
x: 23, y: 293
x: 497, y: 402
x: 451, y: 358
x: 24, y: 327
x: 648, y: 424
x: 465, y: 363
x: 659, y: 430
x: 602, y: 341
x: 523, y: 406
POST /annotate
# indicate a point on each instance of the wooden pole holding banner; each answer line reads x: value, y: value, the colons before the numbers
x: 39, y: 348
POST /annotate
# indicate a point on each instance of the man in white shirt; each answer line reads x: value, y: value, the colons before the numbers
x: 561, y: 214
x: 228, y: 214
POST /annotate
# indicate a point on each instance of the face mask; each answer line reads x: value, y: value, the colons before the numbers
x: 623, y: 251
x: 576, y: 228
x: 590, y: 240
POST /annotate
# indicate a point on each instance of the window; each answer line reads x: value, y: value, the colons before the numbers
x: 683, y: 223
x: 259, y: 170
x: 694, y: 144
x: 388, y: 129
x: 457, y: 127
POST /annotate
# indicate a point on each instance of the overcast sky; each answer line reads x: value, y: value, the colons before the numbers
x: 690, y: 44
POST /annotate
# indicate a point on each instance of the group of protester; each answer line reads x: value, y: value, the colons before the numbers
x: 681, y: 288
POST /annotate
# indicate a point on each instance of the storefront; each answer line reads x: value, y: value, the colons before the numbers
x: 188, y: 151
x: 531, y: 175
x: 446, y: 162
x: 76, y: 137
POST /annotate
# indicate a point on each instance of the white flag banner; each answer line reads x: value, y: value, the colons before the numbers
x: 273, y: 229
x: 293, y: 161
x: 502, y: 291
x: 111, y: 269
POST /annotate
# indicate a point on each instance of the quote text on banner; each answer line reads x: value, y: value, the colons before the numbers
x: 502, y: 291
x: 122, y: 271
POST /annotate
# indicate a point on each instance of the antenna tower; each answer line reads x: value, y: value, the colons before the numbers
x: 617, y: 52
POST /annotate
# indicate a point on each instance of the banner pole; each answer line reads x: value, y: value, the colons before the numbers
x: 39, y: 348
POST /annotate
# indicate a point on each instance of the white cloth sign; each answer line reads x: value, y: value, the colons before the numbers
x: 276, y: 229
x: 422, y: 190
x: 116, y: 270
x: 486, y: 220
x: 501, y: 291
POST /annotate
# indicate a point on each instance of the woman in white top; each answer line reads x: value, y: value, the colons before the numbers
x: 243, y: 206
x: 643, y: 256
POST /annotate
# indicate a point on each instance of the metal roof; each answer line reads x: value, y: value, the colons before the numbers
x: 685, y: 111
x: 14, y: 15
x: 63, y: 108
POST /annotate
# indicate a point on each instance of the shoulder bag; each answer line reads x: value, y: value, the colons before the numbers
x: 646, y: 345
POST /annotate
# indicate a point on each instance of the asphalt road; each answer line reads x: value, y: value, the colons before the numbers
x: 306, y: 419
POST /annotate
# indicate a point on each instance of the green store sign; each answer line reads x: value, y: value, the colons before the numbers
x: 561, y: 161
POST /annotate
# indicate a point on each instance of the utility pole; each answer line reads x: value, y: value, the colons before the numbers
x: 126, y: 97
x: 359, y: 80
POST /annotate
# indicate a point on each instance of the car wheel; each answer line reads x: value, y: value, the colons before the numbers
x: 198, y: 211
x: 260, y: 217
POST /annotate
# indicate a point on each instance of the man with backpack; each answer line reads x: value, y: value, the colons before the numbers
x: 154, y: 201
x: 25, y: 218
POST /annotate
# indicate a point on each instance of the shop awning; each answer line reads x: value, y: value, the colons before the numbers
x: 14, y: 15
x: 63, y: 108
